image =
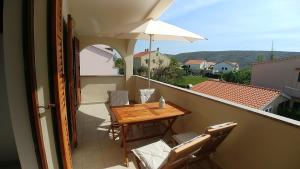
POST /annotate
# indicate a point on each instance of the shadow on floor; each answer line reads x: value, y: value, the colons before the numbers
x: 96, y: 149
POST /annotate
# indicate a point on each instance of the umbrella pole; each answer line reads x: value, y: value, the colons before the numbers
x: 149, y: 60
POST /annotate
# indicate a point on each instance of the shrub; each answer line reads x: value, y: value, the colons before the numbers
x: 243, y: 76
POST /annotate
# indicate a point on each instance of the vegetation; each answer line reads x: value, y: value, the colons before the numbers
x: 187, y: 70
x: 186, y: 80
x: 260, y: 58
x: 168, y: 74
x: 291, y: 113
x: 142, y: 71
x: 119, y: 63
x: 243, y: 76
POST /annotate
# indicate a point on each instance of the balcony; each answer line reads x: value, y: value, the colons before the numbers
x: 261, y: 141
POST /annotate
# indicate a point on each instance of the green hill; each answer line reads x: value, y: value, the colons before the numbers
x: 244, y: 58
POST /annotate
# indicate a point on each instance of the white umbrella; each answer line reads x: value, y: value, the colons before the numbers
x: 157, y: 30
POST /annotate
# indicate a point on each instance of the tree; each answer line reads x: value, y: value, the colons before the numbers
x: 142, y: 71
x: 186, y: 69
x: 168, y: 74
x: 119, y: 63
x: 243, y: 76
x: 173, y: 63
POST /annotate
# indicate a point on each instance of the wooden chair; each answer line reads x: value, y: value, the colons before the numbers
x: 218, y: 134
x: 116, y: 98
x: 159, y: 155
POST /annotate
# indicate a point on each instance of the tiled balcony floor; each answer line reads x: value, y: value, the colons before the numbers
x: 96, y: 149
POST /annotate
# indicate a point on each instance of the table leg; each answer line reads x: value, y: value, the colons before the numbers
x: 169, y: 127
x: 124, y: 133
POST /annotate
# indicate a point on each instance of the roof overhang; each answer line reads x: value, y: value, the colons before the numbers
x: 98, y: 17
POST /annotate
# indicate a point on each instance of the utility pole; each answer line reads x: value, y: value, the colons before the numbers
x: 272, y: 52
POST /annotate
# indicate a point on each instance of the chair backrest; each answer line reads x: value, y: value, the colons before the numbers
x: 218, y: 134
x: 148, y: 95
x: 180, y: 154
x: 118, y: 98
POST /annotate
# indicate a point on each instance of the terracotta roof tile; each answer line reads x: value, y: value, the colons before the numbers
x: 141, y: 54
x: 194, y: 62
x: 251, y: 96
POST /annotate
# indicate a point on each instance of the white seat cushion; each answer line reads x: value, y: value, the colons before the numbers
x: 154, y: 155
x: 118, y: 98
x: 184, y: 137
x: 220, y: 125
x: 147, y: 95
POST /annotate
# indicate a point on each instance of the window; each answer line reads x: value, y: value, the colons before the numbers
x: 147, y: 60
x: 225, y: 68
x: 299, y: 77
x: 222, y: 68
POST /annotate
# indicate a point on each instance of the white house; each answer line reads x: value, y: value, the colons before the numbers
x: 225, y: 67
x: 97, y: 60
x: 196, y: 65
x: 210, y: 65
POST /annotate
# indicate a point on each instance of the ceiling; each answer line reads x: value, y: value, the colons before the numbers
x: 100, y: 17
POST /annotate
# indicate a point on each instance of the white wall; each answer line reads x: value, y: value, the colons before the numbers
x: 218, y: 68
x: 201, y: 66
x: 94, y: 88
x: 156, y: 56
x: 194, y: 67
x: 95, y: 61
x: 277, y: 74
x: 15, y: 82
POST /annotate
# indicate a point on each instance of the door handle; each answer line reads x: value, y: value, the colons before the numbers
x: 48, y: 107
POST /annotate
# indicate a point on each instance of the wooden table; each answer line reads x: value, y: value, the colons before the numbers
x: 144, y: 113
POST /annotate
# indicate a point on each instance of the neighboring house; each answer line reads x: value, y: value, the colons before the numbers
x: 97, y: 60
x: 225, y: 67
x: 252, y: 96
x: 196, y: 65
x: 280, y: 74
x: 210, y: 65
x: 157, y: 60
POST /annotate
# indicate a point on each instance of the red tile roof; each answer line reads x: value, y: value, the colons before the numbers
x: 141, y: 54
x: 251, y: 96
x: 194, y: 62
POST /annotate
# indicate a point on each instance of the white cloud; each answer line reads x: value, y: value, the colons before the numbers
x: 182, y: 7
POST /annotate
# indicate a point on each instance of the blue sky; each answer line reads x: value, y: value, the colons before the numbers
x: 233, y: 25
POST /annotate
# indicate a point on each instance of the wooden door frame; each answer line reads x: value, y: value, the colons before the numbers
x: 77, y: 70
x: 58, y: 83
x: 31, y: 82
x: 70, y: 80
